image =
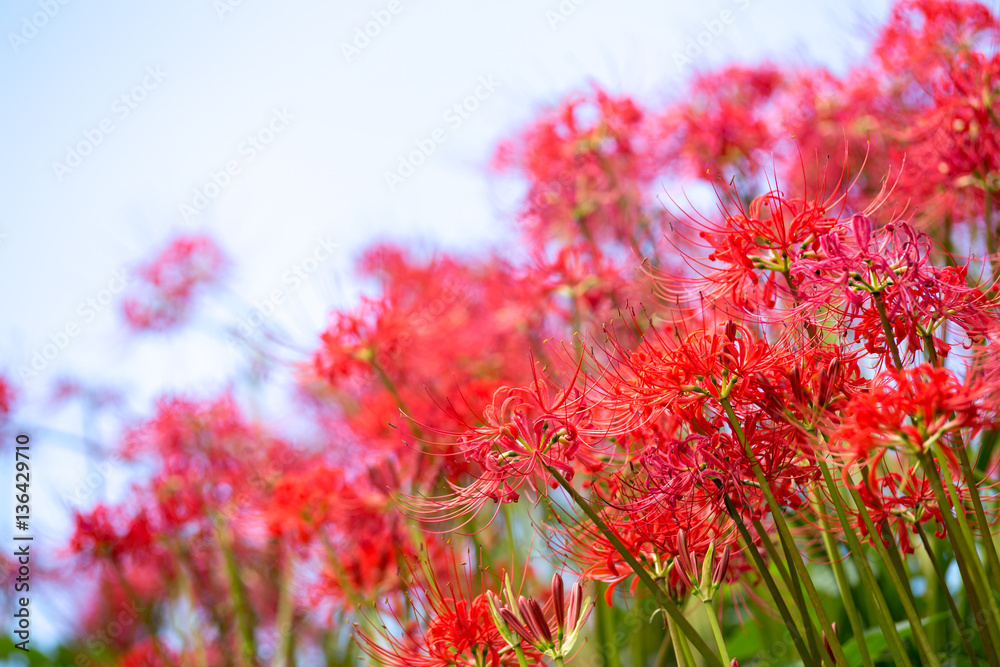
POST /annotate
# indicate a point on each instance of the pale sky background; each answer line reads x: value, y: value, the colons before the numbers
x: 224, y: 68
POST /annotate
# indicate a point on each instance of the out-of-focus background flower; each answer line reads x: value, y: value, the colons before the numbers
x: 293, y: 134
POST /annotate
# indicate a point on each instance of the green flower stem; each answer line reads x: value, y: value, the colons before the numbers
x: 902, y: 585
x: 868, y: 583
x: 786, y: 537
x: 807, y: 622
x: 686, y: 649
x: 772, y: 552
x: 890, y: 337
x: 661, y: 653
x: 284, y: 652
x: 665, y: 602
x: 791, y: 578
x: 717, y: 631
x: 678, y: 651
x: 808, y: 659
x: 521, y: 660
x: 965, y: 555
x: 977, y: 504
x: 952, y: 607
x: 247, y: 653
x: 604, y: 623
x: 833, y: 553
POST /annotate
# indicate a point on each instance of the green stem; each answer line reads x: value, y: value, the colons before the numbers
x: 977, y: 505
x: 786, y: 537
x: 686, y: 649
x: 952, y: 607
x: 833, y: 553
x: 793, y: 629
x: 247, y: 651
x: 807, y: 623
x: 284, y: 615
x: 901, y: 585
x: 604, y: 623
x: 678, y: 651
x: 665, y: 602
x: 661, y: 653
x: 521, y: 660
x: 890, y: 337
x: 717, y: 631
x: 973, y: 578
x: 869, y: 584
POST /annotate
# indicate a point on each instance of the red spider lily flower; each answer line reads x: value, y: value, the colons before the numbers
x: 683, y: 376
x: 163, y: 295
x: 725, y: 122
x: 103, y: 534
x: 522, y: 433
x: 362, y: 543
x: 386, y: 355
x: 907, y: 411
x: 304, y: 501
x: 453, y: 627
x: 586, y: 174
x: 7, y: 396
x: 749, y: 257
x: 852, y: 269
x: 898, y: 503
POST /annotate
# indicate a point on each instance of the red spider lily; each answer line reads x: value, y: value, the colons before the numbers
x: 751, y: 254
x: 304, y: 501
x: 922, y: 35
x: 702, y: 470
x: 907, y: 411
x: 683, y: 376
x: 360, y: 541
x: 523, y: 433
x: 387, y: 354
x: 100, y: 535
x: 849, y: 273
x: 898, y: 503
x: 454, y: 627
x: 167, y: 286
x: 725, y: 123
x: 586, y: 175
x: 7, y: 396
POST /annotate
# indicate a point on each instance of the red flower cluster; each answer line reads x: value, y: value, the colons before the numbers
x: 693, y: 404
x: 167, y: 285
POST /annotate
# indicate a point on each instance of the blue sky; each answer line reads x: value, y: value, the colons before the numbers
x: 272, y: 126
